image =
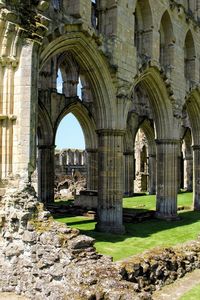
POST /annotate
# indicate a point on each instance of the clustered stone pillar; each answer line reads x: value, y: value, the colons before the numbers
x: 92, y: 169
x: 110, y: 186
x: 167, y: 178
x: 188, y: 172
x: 196, y: 175
x: 46, y: 173
x: 129, y: 173
x: 179, y: 170
x: 152, y: 174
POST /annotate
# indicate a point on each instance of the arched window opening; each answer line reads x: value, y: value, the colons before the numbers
x: 79, y: 89
x: 143, y: 30
x: 166, y: 42
x: 59, y: 82
x: 190, y: 58
x: 56, y: 4
x: 83, y: 89
x: 69, y: 134
x: 94, y: 14
x: 141, y: 165
x: 70, y: 161
x: 187, y: 162
x: 143, y: 159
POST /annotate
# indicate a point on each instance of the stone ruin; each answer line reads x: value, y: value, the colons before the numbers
x: 70, y: 173
x: 43, y: 259
x: 138, y: 63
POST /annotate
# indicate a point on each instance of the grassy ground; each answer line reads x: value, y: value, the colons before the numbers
x: 193, y: 294
x: 149, y: 201
x: 142, y: 236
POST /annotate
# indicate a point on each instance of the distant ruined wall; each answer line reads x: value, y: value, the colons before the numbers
x: 67, y: 161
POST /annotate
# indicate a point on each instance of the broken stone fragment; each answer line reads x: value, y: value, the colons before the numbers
x: 13, y: 250
x: 50, y: 238
x: 29, y: 236
x: 81, y: 242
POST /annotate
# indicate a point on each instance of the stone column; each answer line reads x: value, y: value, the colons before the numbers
x: 152, y: 174
x: 46, y: 173
x: 179, y: 170
x: 196, y: 177
x: 167, y: 178
x: 188, y: 172
x: 92, y: 169
x: 128, y: 173
x: 110, y: 181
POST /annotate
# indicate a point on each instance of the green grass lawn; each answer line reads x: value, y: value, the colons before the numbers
x: 148, y: 202
x: 193, y: 294
x: 145, y: 235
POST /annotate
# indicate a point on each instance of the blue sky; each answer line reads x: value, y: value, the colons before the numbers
x: 69, y: 133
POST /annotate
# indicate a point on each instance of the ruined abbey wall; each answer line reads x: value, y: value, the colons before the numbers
x: 137, y: 63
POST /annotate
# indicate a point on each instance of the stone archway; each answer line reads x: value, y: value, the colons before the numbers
x: 167, y: 134
x: 103, y: 110
x: 193, y: 110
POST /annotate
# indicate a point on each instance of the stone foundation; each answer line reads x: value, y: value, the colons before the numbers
x: 86, y: 199
x: 156, y: 268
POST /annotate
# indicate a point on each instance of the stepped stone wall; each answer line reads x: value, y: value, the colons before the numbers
x: 156, y: 268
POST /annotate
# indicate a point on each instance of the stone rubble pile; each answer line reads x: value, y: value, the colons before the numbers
x: 156, y: 268
x: 44, y: 259
x: 67, y: 186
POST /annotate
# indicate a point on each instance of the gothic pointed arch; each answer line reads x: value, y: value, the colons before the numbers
x: 85, y: 120
x: 193, y: 110
x: 167, y: 41
x: 165, y: 124
x: 143, y: 29
x: 96, y: 69
x: 189, y: 59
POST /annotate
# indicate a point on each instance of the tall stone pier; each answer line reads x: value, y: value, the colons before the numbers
x: 167, y: 178
x: 110, y: 188
x: 196, y: 175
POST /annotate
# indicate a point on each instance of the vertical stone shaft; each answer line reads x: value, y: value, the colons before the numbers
x: 92, y: 169
x: 152, y: 174
x: 110, y: 174
x: 188, y: 172
x: 128, y: 173
x: 167, y: 178
x: 46, y: 174
x: 196, y: 175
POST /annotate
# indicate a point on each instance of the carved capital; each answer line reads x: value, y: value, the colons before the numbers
x: 111, y: 132
x: 91, y: 150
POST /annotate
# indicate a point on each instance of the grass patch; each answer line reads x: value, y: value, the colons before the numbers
x: 193, y: 294
x: 142, y: 236
x: 148, y: 202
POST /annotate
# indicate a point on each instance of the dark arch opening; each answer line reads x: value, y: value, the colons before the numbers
x: 190, y: 58
x: 166, y: 42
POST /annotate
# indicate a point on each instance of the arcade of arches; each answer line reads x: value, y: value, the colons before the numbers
x: 137, y: 63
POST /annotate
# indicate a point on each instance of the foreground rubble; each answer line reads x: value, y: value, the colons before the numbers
x: 43, y: 259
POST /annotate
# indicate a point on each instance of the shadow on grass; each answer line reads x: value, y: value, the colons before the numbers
x: 141, y: 230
